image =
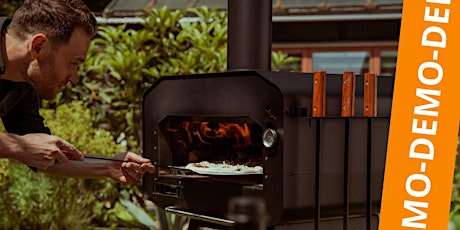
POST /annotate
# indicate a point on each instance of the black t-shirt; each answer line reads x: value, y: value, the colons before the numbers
x: 19, y: 102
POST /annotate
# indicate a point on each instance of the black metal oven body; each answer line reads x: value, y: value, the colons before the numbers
x: 318, y: 167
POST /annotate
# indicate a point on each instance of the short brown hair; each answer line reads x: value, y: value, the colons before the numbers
x: 57, y: 19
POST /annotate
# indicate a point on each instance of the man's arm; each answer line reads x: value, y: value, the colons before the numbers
x: 37, y: 150
x: 129, y: 171
x: 89, y: 168
x: 32, y: 145
x: 45, y: 152
x: 8, y: 145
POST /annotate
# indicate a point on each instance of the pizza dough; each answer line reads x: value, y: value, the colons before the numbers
x: 223, y: 168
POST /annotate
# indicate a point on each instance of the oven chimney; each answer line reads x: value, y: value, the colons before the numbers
x: 249, y: 34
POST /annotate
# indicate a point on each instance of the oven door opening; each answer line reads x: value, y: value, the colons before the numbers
x: 235, y: 141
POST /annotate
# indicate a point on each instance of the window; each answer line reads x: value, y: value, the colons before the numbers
x: 380, y: 60
x: 339, y: 62
x: 388, y: 63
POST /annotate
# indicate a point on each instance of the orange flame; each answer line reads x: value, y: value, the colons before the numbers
x: 202, y: 130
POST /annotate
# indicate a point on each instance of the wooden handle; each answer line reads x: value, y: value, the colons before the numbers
x: 370, y: 95
x: 319, y: 94
x: 348, y: 94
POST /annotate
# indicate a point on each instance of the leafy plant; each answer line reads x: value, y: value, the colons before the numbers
x: 281, y: 60
x: 31, y: 200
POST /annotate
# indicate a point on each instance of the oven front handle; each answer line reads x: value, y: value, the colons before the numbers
x: 210, y: 219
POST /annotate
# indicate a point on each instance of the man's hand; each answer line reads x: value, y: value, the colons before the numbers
x: 131, y: 172
x: 42, y: 150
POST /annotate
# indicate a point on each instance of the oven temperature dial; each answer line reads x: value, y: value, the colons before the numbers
x: 269, y: 137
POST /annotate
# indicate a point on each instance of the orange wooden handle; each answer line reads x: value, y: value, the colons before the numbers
x: 319, y: 94
x: 348, y: 94
x: 370, y: 95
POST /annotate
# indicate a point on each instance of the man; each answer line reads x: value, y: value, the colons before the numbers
x: 41, y: 49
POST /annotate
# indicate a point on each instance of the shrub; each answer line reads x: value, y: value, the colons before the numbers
x: 32, y: 200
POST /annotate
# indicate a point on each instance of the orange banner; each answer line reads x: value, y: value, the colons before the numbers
x: 425, y: 118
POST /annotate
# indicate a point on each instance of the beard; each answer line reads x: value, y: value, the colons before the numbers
x: 42, y: 77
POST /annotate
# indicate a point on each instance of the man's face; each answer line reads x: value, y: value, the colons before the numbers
x: 50, y: 72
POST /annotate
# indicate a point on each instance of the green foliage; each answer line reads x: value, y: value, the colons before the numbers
x: 138, y: 212
x: 31, y: 200
x: 36, y: 201
x: 281, y: 60
x: 73, y: 123
x: 191, y: 46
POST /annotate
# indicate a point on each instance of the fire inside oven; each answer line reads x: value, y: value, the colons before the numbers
x: 196, y: 141
x: 192, y: 140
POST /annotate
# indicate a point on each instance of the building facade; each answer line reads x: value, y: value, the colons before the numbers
x: 330, y: 35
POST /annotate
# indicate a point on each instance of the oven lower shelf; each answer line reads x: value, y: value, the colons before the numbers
x: 206, y: 218
x: 204, y: 198
x: 353, y: 221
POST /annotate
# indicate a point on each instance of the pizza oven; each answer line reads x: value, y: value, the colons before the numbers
x: 314, y: 167
x: 319, y: 138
